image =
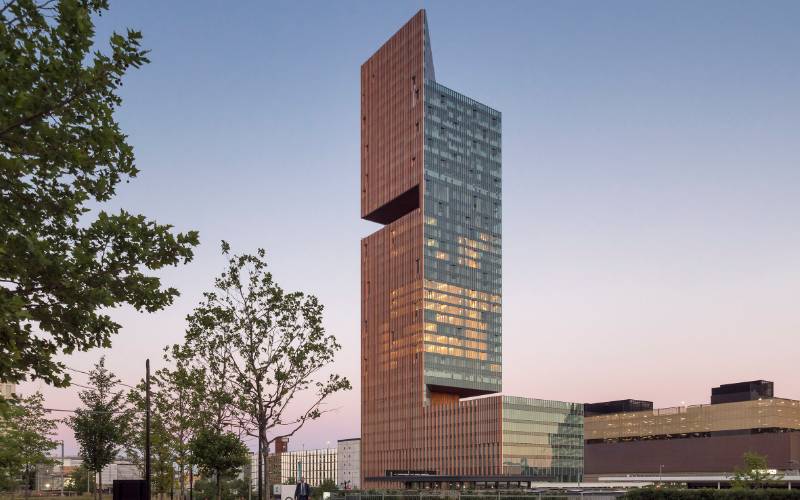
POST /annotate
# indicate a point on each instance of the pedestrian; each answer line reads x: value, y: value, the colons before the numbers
x: 302, y: 491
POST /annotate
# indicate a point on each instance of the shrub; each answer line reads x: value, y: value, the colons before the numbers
x: 710, y: 494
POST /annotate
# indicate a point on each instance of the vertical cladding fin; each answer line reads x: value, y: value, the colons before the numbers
x: 430, y: 73
x: 392, y: 83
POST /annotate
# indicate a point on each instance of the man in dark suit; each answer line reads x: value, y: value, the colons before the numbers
x: 302, y: 491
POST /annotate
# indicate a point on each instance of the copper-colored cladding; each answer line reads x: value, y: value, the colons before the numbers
x: 391, y: 342
x: 691, y: 455
x: 770, y: 413
x: 643, y: 441
x: 400, y: 431
x: 391, y: 117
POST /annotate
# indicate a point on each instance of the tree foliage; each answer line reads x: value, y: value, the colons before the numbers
x: 101, y: 426
x: 62, y: 153
x: 162, y: 453
x: 230, y: 489
x: 78, y: 480
x: 219, y: 453
x: 176, y: 403
x: 25, y: 440
x: 180, y: 397
x: 272, y: 345
x: 754, y: 472
x: 327, y: 485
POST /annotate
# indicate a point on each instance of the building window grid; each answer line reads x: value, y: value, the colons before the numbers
x: 543, y: 438
x: 317, y: 465
x: 461, y: 203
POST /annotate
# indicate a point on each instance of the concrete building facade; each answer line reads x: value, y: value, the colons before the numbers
x: 7, y: 390
x: 348, y: 456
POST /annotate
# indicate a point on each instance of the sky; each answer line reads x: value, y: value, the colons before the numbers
x: 651, y: 180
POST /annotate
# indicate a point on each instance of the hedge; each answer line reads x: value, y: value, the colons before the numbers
x: 709, y: 494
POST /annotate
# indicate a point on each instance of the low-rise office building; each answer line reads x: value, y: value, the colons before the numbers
x: 315, y: 466
x: 697, y: 439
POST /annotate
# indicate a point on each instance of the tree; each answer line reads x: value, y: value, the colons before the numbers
x: 101, y: 427
x: 231, y: 489
x: 754, y: 473
x: 219, y: 453
x: 327, y: 485
x: 273, y: 345
x: 62, y: 154
x: 25, y: 440
x: 179, y: 398
x: 187, y: 395
x: 77, y: 481
x: 162, y: 456
x: 214, y: 390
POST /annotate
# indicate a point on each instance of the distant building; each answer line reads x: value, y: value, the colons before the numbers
x: 281, y: 445
x: 272, y: 468
x: 697, y: 439
x: 48, y: 477
x: 348, y: 456
x: 7, y: 389
x: 120, y: 469
x: 742, y: 391
x: 619, y: 406
x: 314, y: 465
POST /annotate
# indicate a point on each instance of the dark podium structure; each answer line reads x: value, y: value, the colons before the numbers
x: 130, y: 489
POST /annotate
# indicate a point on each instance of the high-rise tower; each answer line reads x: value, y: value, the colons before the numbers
x: 431, y: 277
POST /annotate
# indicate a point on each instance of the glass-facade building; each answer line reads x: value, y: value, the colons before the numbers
x: 463, y: 218
x: 542, y: 439
x: 431, y: 290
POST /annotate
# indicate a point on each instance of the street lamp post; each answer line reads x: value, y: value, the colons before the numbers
x: 147, y: 430
x: 661, y: 474
x: 62, y: 467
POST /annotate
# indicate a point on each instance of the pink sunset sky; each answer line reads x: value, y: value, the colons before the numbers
x: 651, y: 181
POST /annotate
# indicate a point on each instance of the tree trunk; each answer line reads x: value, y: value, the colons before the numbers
x: 260, y: 468
x: 182, y: 481
x: 27, y: 492
x: 219, y: 488
x: 265, y: 452
x: 100, y: 485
